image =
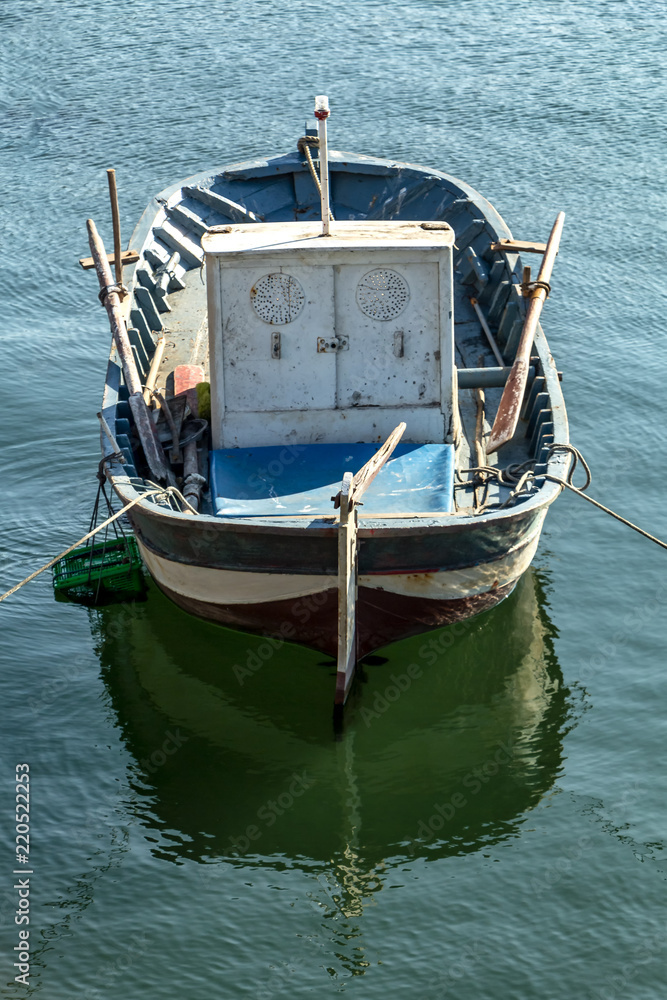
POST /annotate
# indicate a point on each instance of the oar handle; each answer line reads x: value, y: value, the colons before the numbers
x: 111, y: 300
x: 115, y: 216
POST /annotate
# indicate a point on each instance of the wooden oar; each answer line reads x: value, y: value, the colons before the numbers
x: 348, y: 550
x: 511, y: 400
x: 111, y: 300
x: 369, y: 471
x: 115, y: 216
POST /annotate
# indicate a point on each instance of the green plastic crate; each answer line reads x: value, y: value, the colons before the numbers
x: 100, y: 569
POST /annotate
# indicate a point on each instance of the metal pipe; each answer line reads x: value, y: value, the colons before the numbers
x: 111, y: 439
x: 322, y: 113
x: 487, y: 378
x: 489, y: 336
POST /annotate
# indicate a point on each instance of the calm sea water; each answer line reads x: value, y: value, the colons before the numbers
x: 493, y: 827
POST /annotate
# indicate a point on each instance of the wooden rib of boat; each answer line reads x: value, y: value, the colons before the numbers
x: 315, y: 347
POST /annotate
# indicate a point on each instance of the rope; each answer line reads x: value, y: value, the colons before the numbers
x: 303, y: 145
x: 102, y: 492
x: 531, y: 286
x: 166, y: 493
x: 200, y: 424
x: 623, y: 520
x: 158, y: 491
x: 119, y: 289
x: 522, y: 477
x: 577, y: 457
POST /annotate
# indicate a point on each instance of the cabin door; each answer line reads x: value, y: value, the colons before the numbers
x: 389, y: 320
x: 271, y: 319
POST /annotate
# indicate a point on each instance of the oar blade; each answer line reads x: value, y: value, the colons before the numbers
x: 511, y: 400
x: 509, y: 409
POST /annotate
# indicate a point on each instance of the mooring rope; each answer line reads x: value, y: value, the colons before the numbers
x: 158, y: 490
x: 518, y: 476
x: 522, y: 477
x: 607, y: 510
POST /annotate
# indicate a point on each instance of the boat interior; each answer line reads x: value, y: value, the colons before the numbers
x: 293, y: 404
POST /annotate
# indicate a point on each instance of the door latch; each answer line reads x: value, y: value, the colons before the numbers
x: 331, y: 345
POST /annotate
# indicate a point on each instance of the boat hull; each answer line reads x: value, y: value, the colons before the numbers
x: 382, y: 617
x: 303, y: 606
x: 277, y: 577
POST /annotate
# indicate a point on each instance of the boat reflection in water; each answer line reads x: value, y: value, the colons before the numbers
x: 446, y: 745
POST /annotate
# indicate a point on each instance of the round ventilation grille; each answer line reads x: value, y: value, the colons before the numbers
x: 382, y: 294
x: 277, y: 298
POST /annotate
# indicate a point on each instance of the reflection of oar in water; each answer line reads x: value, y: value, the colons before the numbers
x: 511, y: 400
x: 356, y: 881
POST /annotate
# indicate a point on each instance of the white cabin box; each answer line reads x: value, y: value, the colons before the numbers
x: 330, y: 339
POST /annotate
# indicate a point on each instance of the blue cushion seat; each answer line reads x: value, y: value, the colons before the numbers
x: 301, y: 479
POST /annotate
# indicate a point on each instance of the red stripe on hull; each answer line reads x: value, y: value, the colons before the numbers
x: 382, y: 617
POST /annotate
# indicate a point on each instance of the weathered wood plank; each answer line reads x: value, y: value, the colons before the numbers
x: 115, y: 216
x: 145, y: 277
x: 225, y: 206
x: 178, y: 239
x: 138, y: 320
x: 140, y: 351
x: 518, y: 246
x: 367, y: 473
x: 148, y: 307
x: 127, y: 257
x: 487, y: 332
x: 498, y: 300
x: 156, y: 361
x: 486, y: 378
x: 511, y: 315
x: 187, y: 219
x: 347, y: 593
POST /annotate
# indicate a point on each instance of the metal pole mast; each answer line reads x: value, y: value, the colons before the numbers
x: 322, y: 113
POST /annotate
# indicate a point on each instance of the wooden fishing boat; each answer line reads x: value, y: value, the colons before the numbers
x: 318, y: 336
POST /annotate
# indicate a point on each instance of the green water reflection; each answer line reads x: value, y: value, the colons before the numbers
x: 447, y: 742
